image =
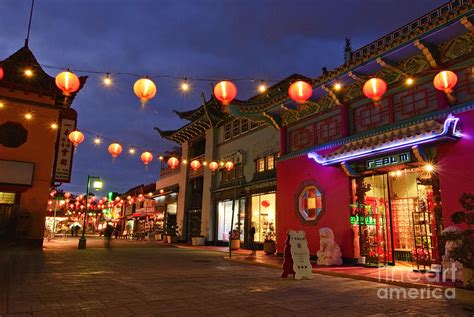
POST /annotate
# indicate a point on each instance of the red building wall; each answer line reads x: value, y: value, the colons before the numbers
x: 333, y: 183
x: 456, y: 168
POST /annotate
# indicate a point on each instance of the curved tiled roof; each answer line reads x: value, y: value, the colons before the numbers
x: 40, y: 83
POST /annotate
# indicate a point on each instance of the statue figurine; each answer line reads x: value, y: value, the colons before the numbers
x: 452, y: 270
x: 329, y: 252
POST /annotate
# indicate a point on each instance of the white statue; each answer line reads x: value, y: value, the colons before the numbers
x: 329, y: 252
x: 452, y: 270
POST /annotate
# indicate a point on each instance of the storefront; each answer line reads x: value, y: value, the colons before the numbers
x: 384, y: 196
x: 225, y: 208
x: 263, y: 212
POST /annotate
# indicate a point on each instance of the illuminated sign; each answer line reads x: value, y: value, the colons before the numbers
x: 389, y: 160
x: 368, y: 220
x: 450, y: 130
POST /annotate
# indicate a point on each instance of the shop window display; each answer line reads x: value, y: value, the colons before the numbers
x: 224, y: 217
x: 263, y: 214
x: 310, y: 203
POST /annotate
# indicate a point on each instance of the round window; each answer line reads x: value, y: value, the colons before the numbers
x: 310, y: 203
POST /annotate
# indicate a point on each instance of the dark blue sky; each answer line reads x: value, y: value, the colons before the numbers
x: 267, y: 39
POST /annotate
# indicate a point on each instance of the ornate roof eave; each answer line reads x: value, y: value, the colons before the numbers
x: 41, y: 83
x: 257, y: 105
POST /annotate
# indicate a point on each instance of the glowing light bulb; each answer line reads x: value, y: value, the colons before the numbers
x: 429, y: 168
x: 185, y: 161
x: 262, y: 88
x: 185, y: 85
x: 107, y: 81
x: 409, y: 81
x: 2, y: 105
x: 337, y: 86
x: 131, y: 150
x: 398, y: 173
x: 97, y: 140
x: 28, y: 72
x: 28, y: 116
x: 54, y: 126
x: 161, y: 157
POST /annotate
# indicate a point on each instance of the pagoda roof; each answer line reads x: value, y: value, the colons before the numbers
x: 430, y: 30
x: 207, y: 115
x: 40, y: 83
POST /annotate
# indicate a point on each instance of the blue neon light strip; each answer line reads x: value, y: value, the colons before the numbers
x: 450, y: 120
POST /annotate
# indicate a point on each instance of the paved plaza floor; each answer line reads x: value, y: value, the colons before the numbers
x: 139, y: 279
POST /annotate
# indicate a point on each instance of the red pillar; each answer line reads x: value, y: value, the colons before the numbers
x: 345, y: 124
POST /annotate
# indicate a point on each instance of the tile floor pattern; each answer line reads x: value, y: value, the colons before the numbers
x: 167, y: 281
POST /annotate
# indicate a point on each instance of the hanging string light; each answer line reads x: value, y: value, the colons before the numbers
x: 97, y: 140
x: 131, y: 150
x: 54, y: 125
x: 28, y: 72
x: 262, y: 87
x: 337, y: 86
x: 107, y: 81
x: 409, y: 81
x: 28, y: 116
x: 229, y: 166
x: 185, y: 85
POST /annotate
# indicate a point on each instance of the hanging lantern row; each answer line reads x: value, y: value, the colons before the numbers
x: 173, y: 163
x: 225, y: 91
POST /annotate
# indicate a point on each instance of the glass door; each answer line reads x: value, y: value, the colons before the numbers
x: 374, y: 220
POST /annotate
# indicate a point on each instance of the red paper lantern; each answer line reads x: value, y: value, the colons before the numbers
x: 1, y: 73
x: 76, y: 137
x: 67, y: 195
x: 213, y: 166
x: 173, y: 162
x: 445, y: 81
x: 67, y: 82
x: 225, y: 91
x: 145, y: 89
x: 300, y: 91
x: 229, y: 166
x: 374, y: 88
x: 115, y: 149
x: 146, y: 157
x: 195, y: 165
x: 265, y: 204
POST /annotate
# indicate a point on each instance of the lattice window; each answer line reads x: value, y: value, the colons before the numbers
x: 370, y: 116
x: 227, y: 131
x: 301, y: 138
x: 328, y: 129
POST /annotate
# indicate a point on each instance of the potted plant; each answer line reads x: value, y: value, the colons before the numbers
x: 196, y: 237
x: 234, y: 239
x: 463, y: 248
x: 269, y: 244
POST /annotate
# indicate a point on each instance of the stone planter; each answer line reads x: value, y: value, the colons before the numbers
x: 172, y: 238
x: 269, y: 247
x: 234, y: 244
x: 198, y: 240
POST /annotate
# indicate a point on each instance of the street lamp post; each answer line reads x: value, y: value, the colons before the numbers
x: 97, y: 185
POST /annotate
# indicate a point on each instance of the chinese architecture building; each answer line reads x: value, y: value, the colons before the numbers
x: 35, y: 121
x: 385, y: 175
x: 202, y: 201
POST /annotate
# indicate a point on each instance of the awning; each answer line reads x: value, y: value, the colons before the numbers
x: 392, y: 140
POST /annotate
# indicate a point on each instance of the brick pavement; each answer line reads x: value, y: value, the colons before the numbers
x: 137, y: 279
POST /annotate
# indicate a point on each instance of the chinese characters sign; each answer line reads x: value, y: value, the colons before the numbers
x: 300, y: 254
x: 64, y: 153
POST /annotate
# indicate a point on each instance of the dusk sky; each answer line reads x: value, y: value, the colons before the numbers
x: 268, y: 39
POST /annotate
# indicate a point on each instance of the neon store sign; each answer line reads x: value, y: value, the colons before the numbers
x: 389, y: 160
x: 367, y: 220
